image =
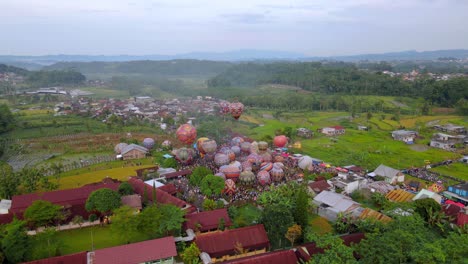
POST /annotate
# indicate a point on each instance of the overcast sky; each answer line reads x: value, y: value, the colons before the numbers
x: 312, y: 27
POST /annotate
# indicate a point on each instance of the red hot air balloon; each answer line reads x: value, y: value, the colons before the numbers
x: 187, y: 134
x: 280, y: 141
x: 236, y: 109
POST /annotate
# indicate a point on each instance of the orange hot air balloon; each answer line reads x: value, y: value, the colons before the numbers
x: 186, y: 134
x: 236, y: 109
x: 280, y: 141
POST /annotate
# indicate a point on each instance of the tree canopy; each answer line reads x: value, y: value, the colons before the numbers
x: 43, y: 213
x: 211, y: 185
x: 103, y: 200
x: 7, y: 120
x: 15, y: 242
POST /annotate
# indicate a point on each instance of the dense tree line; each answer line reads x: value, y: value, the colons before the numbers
x: 8, y: 68
x: 341, y: 79
x: 147, y: 67
x: 52, y: 78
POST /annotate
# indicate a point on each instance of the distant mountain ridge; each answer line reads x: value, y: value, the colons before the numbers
x: 237, y: 55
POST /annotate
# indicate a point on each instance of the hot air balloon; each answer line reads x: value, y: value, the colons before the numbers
x: 209, y: 146
x: 184, y: 155
x: 187, y: 134
x: 254, y: 158
x: 236, y: 150
x: 266, y: 157
x: 278, y: 158
x: 267, y: 166
x: 200, y: 144
x: 231, y: 172
x: 148, y: 143
x: 229, y: 187
x: 277, y: 174
x: 231, y: 155
x: 262, y: 146
x: 246, y: 165
x: 278, y: 165
x: 224, y: 107
x: 209, y: 156
x: 254, y: 147
x: 236, y: 109
x: 220, y: 174
x: 119, y: 147
x: 236, y: 141
x: 280, y: 141
x: 245, y: 147
x: 263, y: 178
x: 304, y: 162
x: 221, y: 159
x: 247, y: 176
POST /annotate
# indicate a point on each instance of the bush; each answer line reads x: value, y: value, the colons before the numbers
x: 125, y: 189
x: 92, y: 217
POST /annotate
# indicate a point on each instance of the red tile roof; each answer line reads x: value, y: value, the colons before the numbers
x: 77, y: 258
x: 319, y: 186
x: 169, y: 188
x: 462, y: 219
x: 133, y: 201
x: 77, y: 196
x: 208, y: 220
x: 218, y: 244
x: 161, y: 196
x: 338, y: 127
x: 275, y: 257
x: 141, y: 252
x: 176, y: 174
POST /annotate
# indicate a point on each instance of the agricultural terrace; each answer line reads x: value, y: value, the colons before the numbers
x: 365, y: 148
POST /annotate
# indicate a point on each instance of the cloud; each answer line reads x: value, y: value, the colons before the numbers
x: 247, y: 18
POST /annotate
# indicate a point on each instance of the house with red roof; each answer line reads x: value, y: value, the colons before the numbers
x: 224, y: 245
x: 318, y: 186
x: 77, y: 258
x: 161, y: 196
x: 274, y: 257
x: 161, y: 250
x: 73, y: 200
x: 207, y: 220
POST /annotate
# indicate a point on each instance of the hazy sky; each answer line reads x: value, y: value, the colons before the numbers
x: 312, y: 27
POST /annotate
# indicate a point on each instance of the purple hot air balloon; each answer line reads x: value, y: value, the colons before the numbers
x: 263, y: 178
x: 236, y: 150
x: 277, y: 174
x: 148, y: 143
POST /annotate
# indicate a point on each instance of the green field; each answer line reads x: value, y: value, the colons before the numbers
x: 459, y: 170
x: 364, y: 148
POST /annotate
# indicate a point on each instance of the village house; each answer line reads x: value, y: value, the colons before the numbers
x: 207, y: 221
x: 330, y: 204
x: 450, y: 128
x: 406, y: 136
x: 223, y: 245
x: 304, y: 132
x: 446, y: 141
x: 399, y: 196
x: 333, y: 131
x: 348, y: 182
x: 133, y: 151
x: 458, y: 192
x: 319, y: 186
x: 428, y: 194
x: 391, y: 175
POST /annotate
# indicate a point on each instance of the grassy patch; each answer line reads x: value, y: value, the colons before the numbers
x: 459, y: 170
x: 320, y: 225
x: 95, y: 175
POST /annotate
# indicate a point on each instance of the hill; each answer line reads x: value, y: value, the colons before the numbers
x: 146, y: 67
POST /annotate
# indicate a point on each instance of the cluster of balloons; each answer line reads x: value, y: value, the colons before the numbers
x: 234, y: 108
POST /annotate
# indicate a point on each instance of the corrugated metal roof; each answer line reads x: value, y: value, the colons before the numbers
x: 208, y: 220
x: 399, y: 196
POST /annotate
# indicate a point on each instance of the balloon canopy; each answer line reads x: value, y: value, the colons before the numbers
x: 221, y: 159
x: 277, y: 174
x: 119, y: 147
x: 231, y: 172
x: 262, y: 146
x: 148, y: 143
x: 184, y: 155
x: 236, y: 109
x: 247, y: 176
x: 209, y: 146
x: 266, y: 166
x: 280, y: 141
x: 229, y: 187
x: 200, y: 144
x: 224, y: 107
x: 263, y: 178
x: 245, y: 147
x: 186, y: 134
x: 304, y: 162
x: 236, y: 150
x: 236, y: 141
